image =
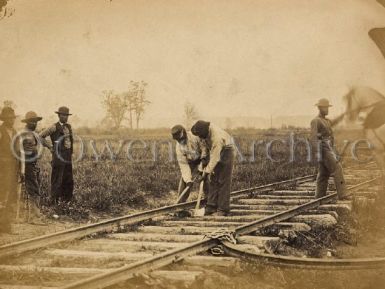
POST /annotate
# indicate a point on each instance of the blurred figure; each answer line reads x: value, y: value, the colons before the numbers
x: 61, y: 135
x: 323, y: 142
x: 192, y: 156
x: 220, y: 167
x: 367, y: 106
x: 30, y: 169
x: 9, y: 170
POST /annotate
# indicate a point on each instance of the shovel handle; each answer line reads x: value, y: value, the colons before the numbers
x: 182, y: 194
x: 199, y: 195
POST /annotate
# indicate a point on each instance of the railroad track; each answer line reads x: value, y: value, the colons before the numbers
x: 175, y: 249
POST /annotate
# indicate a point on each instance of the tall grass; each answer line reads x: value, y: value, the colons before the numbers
x: 109, y: 186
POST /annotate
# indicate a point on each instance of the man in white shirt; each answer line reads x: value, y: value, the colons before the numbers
x: 191, y: 154
x: 220, y: 167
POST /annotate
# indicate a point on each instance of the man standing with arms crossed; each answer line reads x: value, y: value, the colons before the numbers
x: 220, y: 167
x: 323, y: 142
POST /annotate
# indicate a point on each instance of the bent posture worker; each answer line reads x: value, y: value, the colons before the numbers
x: 192, y: 156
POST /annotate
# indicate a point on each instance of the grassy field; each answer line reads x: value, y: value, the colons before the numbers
x: 105, y: 185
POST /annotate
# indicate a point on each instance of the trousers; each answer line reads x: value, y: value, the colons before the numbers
x: 220, y: 182
x: 327, y: 166
x: 8, y: 193
x: 32, y: 179
x: 62, y: 183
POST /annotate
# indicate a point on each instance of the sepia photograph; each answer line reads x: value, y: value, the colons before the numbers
x: 216, y: 144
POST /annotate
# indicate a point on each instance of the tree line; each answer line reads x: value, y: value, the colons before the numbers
x: 128, y: 105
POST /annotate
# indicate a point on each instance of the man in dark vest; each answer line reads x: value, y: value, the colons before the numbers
x: 62, y: 183
x: 9, y: 170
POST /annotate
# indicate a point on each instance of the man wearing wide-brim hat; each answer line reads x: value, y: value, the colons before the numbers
x: 9, y: 170
x: 61, y: 135
x: 31, y: 145
x: 323, y: 151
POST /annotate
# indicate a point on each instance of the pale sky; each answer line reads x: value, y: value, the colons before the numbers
x: 229, y: 58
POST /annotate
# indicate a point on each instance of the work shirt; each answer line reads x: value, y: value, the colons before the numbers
x: 30, y: 142
x: 29, y: 147
x: 66, y: 142
x: 321, y: 131
x: 192, y: 151
x: 216, y: 141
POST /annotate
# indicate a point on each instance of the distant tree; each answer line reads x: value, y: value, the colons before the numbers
x: 130, y: 104
x: 129, y: 98
x: 190, y: 114
x: 115, y: 106
x: 140, y: 103
x: 136, y: 101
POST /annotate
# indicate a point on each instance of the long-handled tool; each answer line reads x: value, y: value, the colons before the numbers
x: 186, y: 189
x: 199, y: 212
x: 183, y: 193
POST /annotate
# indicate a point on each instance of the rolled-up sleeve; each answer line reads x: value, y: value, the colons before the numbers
x: 215, y: 155
x: 44, y: 134
x: 183, y: 165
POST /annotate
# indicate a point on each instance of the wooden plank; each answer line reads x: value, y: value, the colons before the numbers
x: 292, y: 193
x: 177, y: 276
x: 285, y: 197
x: 240, y: 212
x: 30, y: 269
x: 180, y: 225
x: 129, y: 246
x: 261, y: 207
x: 179, y: 230
x: 271, y: 202
x: 82, y: 254
x: 92, y: 255
x: 153, y: 237
x: 9, y: 286
x: 225, y: 219
x: 259, y: 241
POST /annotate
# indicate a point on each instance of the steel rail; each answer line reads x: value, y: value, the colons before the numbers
x: 111, y: 224
x: 126, y: 272
x: 304, y: 263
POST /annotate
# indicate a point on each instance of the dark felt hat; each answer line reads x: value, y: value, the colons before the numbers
x: 323, y: 102
x: 63, y: 110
